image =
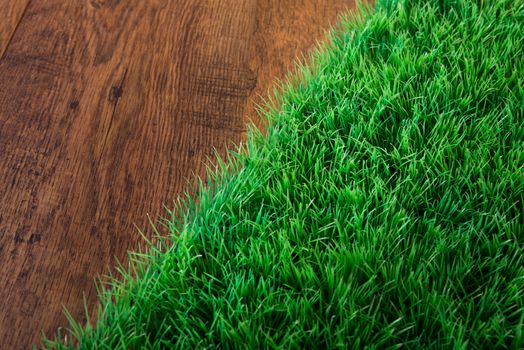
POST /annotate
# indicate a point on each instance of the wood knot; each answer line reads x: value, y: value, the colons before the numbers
x: 73, y: 104
x: 116, y: 93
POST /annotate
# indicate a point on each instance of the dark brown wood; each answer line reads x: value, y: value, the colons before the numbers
x: 107, y: 108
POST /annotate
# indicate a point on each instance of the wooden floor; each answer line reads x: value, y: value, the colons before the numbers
x: 106, y: 109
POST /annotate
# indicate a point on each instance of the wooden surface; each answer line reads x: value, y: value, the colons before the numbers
x: 11, y: 11
x: 106, y: 109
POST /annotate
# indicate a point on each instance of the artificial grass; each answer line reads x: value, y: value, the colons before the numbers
x: 383, y: 207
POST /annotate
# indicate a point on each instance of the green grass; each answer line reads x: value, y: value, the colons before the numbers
x: 382, y: 208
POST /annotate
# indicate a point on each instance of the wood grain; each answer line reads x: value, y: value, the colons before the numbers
x: 11, y: 12
x: 107, y: 108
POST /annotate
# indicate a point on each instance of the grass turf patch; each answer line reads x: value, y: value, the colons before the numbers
x: 382, y: 207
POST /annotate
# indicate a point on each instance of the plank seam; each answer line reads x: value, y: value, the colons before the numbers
x: 2, y: 54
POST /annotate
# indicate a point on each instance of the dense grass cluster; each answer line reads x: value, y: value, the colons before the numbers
x: 382, y: 208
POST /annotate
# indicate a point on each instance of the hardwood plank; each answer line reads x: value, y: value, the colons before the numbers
x: 106, y: 109
x: 11, y: 12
